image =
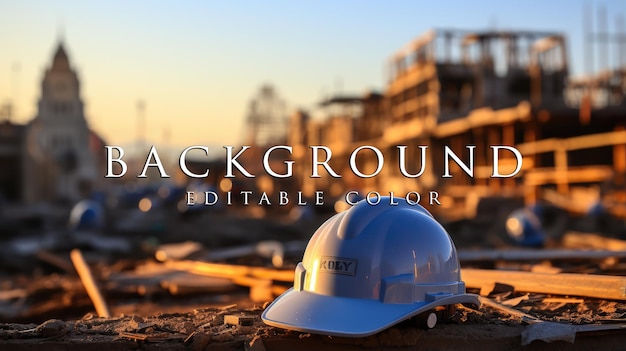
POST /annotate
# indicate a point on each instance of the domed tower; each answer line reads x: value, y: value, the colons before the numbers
x: 62, y: 165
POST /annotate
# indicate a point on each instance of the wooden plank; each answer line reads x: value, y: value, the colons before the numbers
x: 484, y: 116
x: 258, y: 279
x: 584, y: 174
x: 562, y: 300
x: 538, y: 147
x: 209, y: 269
x: 597, y: 286
x: 619, y: 155
x: 593, y: 241
x: 231, y: 271
x: 574, y: 143
x: 542, y: 268
x: 260, y: 290
x: 596, y: 140
x: 158, y: 337
x: 564, y: 201
x: 560, y: 162
x: 134, y: 336
x: 89, y: 283
x: 540, y: 255
x: 186, y: 282
x: 234, y: 319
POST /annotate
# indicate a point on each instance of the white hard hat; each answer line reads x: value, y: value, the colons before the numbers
x: 368, y: 268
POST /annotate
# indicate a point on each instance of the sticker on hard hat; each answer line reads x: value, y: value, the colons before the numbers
x: 338, y: 265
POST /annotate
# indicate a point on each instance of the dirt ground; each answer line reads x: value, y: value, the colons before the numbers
x: 205, y: 329
x: 55, y: 313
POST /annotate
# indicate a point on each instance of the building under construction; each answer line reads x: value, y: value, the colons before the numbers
x: 457, y: 88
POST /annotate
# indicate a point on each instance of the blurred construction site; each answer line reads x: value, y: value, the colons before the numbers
x: 464, y: 90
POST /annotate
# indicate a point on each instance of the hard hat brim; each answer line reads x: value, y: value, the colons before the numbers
x: 342, y: 316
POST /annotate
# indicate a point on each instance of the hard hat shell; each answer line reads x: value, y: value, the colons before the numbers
x: 86, y: 215
x: 368, y: 268
x: 524, y: 227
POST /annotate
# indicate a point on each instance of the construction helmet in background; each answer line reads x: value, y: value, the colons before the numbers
x: 87, y: 215
x: 368, y: 268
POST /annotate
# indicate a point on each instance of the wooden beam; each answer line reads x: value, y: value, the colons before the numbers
x: 581, y: 174
x: 561, y: 165
x: 564, y: 201
x: 530, y: 138
x: 258, y: 279
x: 508, y: 138
x: 231, y: 271
x: 596, y: 140
x: 596, y: 286
x: 619, y: 155
x: 538, y: 147
x: 617, y: 137
x: 593, y: 241
x: 539, y: 255
x: 234, y: 319
x: 484, y: 116
x: 89, y: 283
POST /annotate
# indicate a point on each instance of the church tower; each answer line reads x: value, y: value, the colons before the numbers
x: 62, y: 166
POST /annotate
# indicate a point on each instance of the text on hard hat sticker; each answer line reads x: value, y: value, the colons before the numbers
x: 338, y: 265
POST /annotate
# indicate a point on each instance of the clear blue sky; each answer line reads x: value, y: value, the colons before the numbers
x: 197, y: 63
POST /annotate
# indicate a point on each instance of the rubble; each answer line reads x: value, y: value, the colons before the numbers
x: 215, y: 329
x: 505, y: 320
x: 188, y: 288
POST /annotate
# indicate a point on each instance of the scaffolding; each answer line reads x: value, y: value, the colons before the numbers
x: 267, y: 120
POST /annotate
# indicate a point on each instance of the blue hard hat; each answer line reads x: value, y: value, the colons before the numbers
x: 368, y: 268
x: 87, y: 215
x: 524, y: 227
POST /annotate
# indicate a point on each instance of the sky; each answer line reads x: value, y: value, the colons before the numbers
x: 196, y: 64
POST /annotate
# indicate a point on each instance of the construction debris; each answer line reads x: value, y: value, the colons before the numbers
x: 89, y: 283
x: 569, y: 284
x: 548, y: 332
x: 575, y: 240
x: 539, y: 255
x: 230, y: 271
x: 500, y: 321
x: 188, y: 278
x: 526, y: 318
x: 222, y: 329
x: 233, y: 319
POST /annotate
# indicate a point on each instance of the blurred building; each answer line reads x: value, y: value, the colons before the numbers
x: 11, y: 158
x: 266, y: 121
x: 457, y: 88
x: 62, y: 155
x: 266, y: 125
